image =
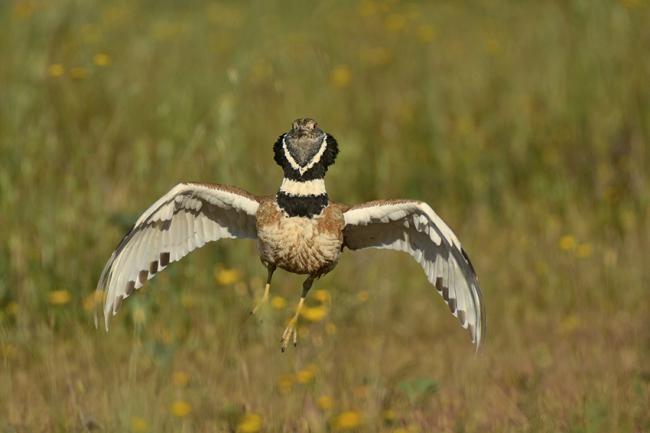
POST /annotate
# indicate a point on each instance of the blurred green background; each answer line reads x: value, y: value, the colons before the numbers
x: 526, y: 126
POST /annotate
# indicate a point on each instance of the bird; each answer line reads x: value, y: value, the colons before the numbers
x: 299, y: 229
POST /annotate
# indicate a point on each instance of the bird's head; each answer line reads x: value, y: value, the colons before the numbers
x: 306, y: 150
x: 304, y: 140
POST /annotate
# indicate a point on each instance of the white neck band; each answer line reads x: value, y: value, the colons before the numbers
x: 307, y: 187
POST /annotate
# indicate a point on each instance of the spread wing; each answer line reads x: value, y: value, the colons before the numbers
x: 182, y: 220
x: 414, y: 227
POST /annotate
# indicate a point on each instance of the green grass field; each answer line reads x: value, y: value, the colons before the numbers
x: 525, y: 125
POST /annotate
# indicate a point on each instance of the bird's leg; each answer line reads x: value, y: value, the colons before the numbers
x: 291, y: 331
x: 265, y: 298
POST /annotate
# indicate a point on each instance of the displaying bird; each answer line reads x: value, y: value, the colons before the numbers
x: 299, y: 229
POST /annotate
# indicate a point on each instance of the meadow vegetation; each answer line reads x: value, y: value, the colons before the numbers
x: 526, y: 125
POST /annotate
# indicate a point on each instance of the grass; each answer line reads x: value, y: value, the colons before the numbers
x: 526, y: 125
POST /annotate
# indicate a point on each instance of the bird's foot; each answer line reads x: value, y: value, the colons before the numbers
x: 290, y: 332
x: 263, y: 301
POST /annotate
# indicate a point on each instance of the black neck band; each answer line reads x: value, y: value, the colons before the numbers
x: 302, y: 206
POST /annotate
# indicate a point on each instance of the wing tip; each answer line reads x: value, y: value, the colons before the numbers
x: 480, y: 311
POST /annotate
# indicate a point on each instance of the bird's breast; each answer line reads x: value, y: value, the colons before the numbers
x: 300, y: 244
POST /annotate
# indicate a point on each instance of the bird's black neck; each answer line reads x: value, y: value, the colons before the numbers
x: 302, y: 198
x: 302, y: 192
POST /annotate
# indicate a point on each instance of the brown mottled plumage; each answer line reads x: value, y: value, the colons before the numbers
x: 299, y: 244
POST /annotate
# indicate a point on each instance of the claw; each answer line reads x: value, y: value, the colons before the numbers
x: 291, y: 331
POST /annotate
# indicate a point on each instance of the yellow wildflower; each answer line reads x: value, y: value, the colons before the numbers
x: 12, y: 308
x: 567, y: 243
x: 325, y: 402
x: 584, y: 250
x: 180, y: 378
x: 56, y: 70
x: 368, y: 8
x: 285, y: 383
x: 541, y: 268
x: 389, y: 416
x: 278, y: 302
x: 78, y: 73
x: 226, y: 277
x: 395, y: 22
x: 188, y: 300
x: 25, y: 9
x: 341, y: 76
x: 251, y: 423
x: 492, y: 45
x: 92, y: 300
x: 139, y: 425
x: 314, y: 314
x: 180, y: 408
x: 363, y: 296
x: 630, y: 4
x: 306, y: 375
x: 102, y: 59
x: 322, y: 296
x: 426, y: 33
x: 59, y: 297
x: 347, y: 420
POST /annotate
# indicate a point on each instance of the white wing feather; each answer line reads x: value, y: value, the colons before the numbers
x: 413, y: 227
x: 184, y: 219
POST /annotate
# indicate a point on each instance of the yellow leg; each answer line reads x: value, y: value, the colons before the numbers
x: 267, y: 289
x: 291, y: 331
x: 264, y: 300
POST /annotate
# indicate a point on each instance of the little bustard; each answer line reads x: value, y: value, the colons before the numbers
x: 299, y: 229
